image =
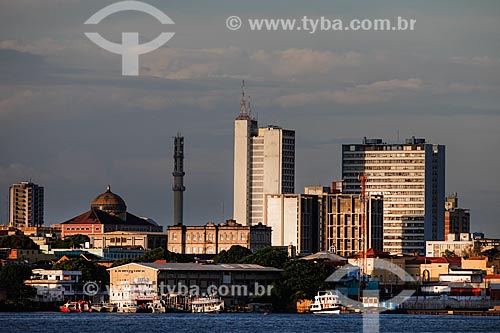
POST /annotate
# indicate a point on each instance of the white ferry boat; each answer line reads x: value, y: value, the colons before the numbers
x: 326, y: 302
x: 207, y: 305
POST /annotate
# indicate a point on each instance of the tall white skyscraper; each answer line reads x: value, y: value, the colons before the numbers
x: 26, y: 205
x: 411, y: 178
x: 264, y: 163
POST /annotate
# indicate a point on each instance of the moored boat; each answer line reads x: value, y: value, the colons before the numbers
x: 127, y: 308
x: 104, y: 307
x: 325, y: 302
x: 97, y: 307
x: 76, y: 306
x: 207, y: 305
x: 109, y: 307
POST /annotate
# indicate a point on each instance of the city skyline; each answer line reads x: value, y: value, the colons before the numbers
x: 73, y: 124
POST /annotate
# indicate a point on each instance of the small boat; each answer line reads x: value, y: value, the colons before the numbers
x: 128, y: 308
x: 109, y: 307
x: 104, y: 307
x: 325, y: 302
x: 157, y: 306
x: 76, y: 306
x: 207, y: 305
x: 97, y: 307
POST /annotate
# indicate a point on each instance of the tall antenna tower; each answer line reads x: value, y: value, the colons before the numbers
x: 178, y: 174
x: 362, y: 271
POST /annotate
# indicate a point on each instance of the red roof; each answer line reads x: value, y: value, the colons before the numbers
x: 372, y: 253
x: 492, y: 276
x: 438, y: 260
x: 95, y: 216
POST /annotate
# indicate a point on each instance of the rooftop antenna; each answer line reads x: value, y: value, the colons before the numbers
x: 398, y: 136
x: 243, y: 107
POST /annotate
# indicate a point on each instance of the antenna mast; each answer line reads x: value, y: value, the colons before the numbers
x: 363, y: 179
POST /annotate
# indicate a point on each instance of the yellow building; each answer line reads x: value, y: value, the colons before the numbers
x: 430, y: 268
x: 211, y: 238
x: 480, y: 263
x: 377, y: 273
x: 145, y: 240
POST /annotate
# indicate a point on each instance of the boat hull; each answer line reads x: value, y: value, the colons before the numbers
x: 329, y: 311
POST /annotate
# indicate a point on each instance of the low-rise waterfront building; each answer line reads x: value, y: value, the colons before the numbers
x: 55, y: 285
x: 142, y: 282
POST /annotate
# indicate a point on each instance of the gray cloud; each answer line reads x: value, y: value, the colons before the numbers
x: 72, y: 123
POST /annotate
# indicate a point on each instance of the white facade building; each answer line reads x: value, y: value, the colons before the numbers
x: 54, y: 285
x: 136, y: 291
x: 293, y: 219
x: 411, y: 177
x: 264, y: 162
x: 457, y: 243
x: 25, y: 205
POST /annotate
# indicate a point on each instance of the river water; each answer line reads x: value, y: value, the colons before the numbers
x: 240, y: 322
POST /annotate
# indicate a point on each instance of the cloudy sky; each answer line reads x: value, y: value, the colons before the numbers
x: 71, y: 122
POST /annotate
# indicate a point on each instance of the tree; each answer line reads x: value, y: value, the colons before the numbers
x: 267, y: 256
x: 470, y: 252
x: 90, y: 270
x: 12, y: 278
x: 301, y: 279
x: 18, y: 242
x: 232, y: 256
x: 161, y: 253
x: 69, y: 242
x: 447, y: 253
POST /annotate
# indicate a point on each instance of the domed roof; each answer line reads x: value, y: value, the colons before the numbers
x: 109, y: 202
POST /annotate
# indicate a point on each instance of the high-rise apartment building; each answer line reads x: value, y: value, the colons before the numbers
x: 294, y: 219
x: 352, y: 225
x: 456, y: 220
x: 411, y: 178
x: 264, y: 163
x: 25, y: 205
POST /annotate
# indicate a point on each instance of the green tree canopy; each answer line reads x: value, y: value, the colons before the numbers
x: 267, y: 256
x: 90, y: 271
x: 448, y: 253
x: 161, y: 253
x: 302, y: 279
x: 70, y: 242
x: 232, y: 256
x: 12, y: 279
x: 18, y: 242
